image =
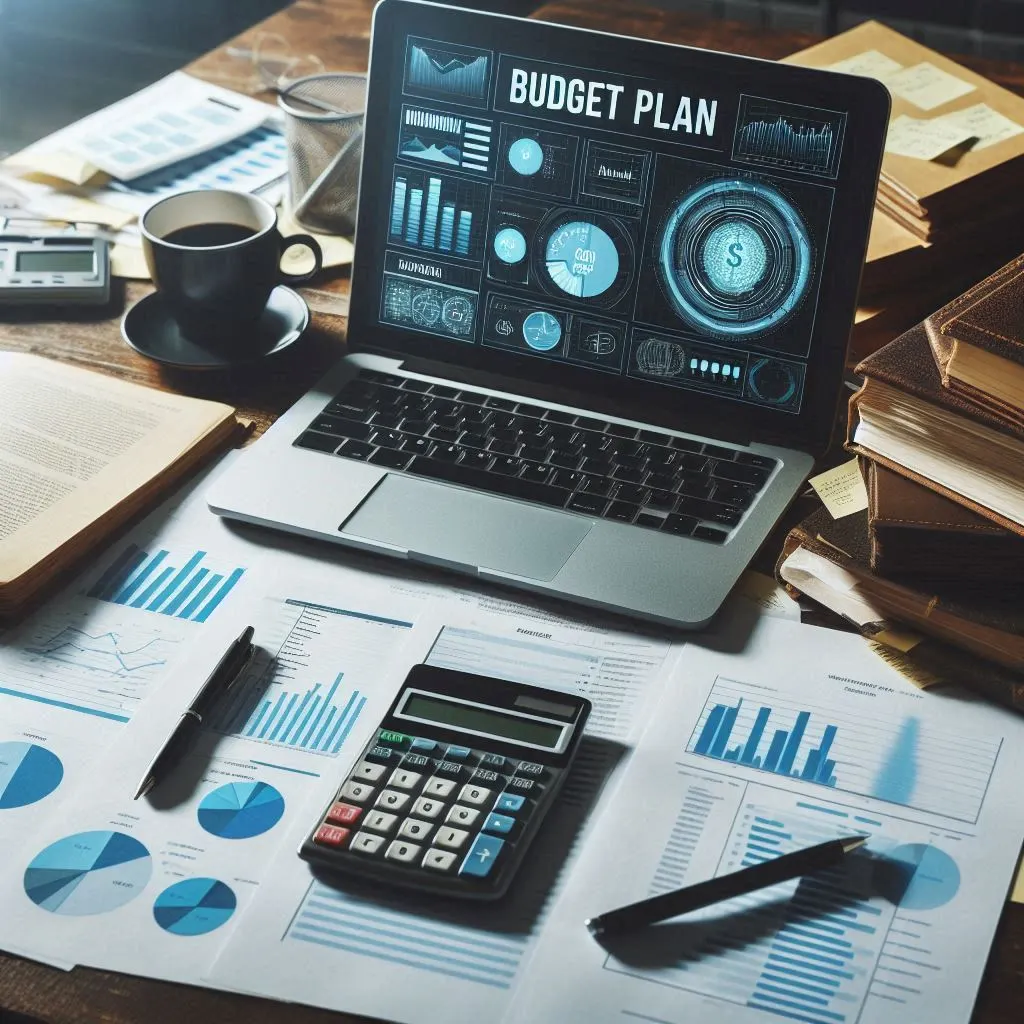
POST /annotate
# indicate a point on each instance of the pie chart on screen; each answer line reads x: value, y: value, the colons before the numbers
x: 241, y: 810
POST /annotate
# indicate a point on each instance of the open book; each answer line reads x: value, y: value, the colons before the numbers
x: 80, y: 453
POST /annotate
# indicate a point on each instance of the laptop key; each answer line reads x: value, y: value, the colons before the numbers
x: 568, y: 479
x: 761, y: 461
x: 443, y: 392
x: 414, y: 425
x: 655, y: 437
x: 468, y: 476
x: 599, y: 485
x: 355, y: 450
x: 662, y: 481
x: 634, y: 476
x: 472, y: 397
x: 554, y: 416
x: 596, y: 467
x: 448, y: 420
x: 317, y: 442
x: 718, y: 452
x: 630, y: 492
x: 390, y: 458
x: 507, y: 465
x: 340, y: 427
x: 536, y: 453
x: 681, y: 525
x: 564, y: 460
x: 388, y: 438
x: 710, y: 533
x: 664, y: 500
x: 420, y: 386
x: 590, y: 423
x: 478, y: 459
x: 725, y: 516
x: 474, y: 440
x: 621, y: 511
x: 741, y: 474
x: 589, y: 504
x: 694, y: 486
x: 697, y: 508
x: 736, y: 495
x: 530, y: 410
x: 417, y: 445
x: 537, y: 474
x: 504, y: 404
x: 448, y: 452
x: 387, y: 420
x: 504, y: 447
x: 446, y: 434
x: 391, y: 379
x: 649, y: 520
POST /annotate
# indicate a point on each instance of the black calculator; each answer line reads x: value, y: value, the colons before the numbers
x: 452, y: 787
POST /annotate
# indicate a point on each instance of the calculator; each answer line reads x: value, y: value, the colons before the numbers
x: 453, y: 785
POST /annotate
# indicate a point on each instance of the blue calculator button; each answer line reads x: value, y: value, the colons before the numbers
x: 482, y: 855
x: 509, y: 803
x: 458, y: 753
x: 502, y: 824
x: 422, y: 746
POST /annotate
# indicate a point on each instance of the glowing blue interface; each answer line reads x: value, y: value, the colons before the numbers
x: 670, y: 232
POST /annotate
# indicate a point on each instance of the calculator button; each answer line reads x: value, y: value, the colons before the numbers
x: 366, y: 772
x: 343, y: 814
x: 331, y: 835
x: 415, y: 761
x: 392, y: 799
x: 509, y: 803
x: 529, y: 768
x: 364, y: 842
x: 453, y: 838
x: 439, y: 860
x: 459, y: 815
x: 482, y: 855
x: 360, y: 792
x: 403, y: 779
x: 381, y: 755
x: 422, y: 746
x: 427, y: 808
x: 485, y: 777
x: 392, y: 739
x: 522, y: 785
x: 501, y: 824
x: 438, y: 787
x: 452, y: 769
x: 413, y: 828
x: 404, y: 853
x: 477, y: 795
x: 492, y: 760
x: 380, y: 821
x: 458, y: 753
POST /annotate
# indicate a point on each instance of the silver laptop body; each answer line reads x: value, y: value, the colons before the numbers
x: 592, y: 355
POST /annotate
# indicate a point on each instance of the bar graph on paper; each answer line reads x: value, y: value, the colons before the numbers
x: 307, y: 693
x: 844, y: 747
x: 182, y: 586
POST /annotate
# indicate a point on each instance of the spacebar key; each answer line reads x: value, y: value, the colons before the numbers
x: 480, y: 480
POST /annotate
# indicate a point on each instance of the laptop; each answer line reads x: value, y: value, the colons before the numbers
x: 600, y: 303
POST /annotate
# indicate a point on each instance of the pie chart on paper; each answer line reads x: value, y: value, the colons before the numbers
x: 88, y: 873
x: 194, y: 907
x: 241, y: 810
x: 28, y: 772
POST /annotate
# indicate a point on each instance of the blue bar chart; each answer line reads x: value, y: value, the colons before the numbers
x: 436, y: 213
x: 842, y: 746
x: 189, y: 589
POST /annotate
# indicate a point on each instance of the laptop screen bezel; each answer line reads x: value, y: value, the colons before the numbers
x: 866, y: 103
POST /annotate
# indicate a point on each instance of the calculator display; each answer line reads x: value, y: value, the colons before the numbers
x: 59, y: 261
x: 488, y: 721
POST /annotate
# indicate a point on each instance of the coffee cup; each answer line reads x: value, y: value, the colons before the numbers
x: 215, y: 257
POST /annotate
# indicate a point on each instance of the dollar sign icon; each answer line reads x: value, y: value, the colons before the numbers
x: 735, y: 259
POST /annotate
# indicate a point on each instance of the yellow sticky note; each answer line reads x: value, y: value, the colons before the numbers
x: 87, y: 211
x: 927, y: 86
x: 57, y: 163
x: 924, y: 139
x: 128, y: 261
x: 841, y: 489
x: 1017, y: 893
x: 988, y: 126
x: 869, y: 64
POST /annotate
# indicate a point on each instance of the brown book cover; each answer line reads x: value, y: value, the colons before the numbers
x: 995, y: 320
x: 916, y: 534
x: 975, y: 642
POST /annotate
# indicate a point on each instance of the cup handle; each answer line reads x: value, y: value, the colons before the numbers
x: 318, y: 258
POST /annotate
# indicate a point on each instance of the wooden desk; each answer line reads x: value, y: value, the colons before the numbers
x: 338, y: 31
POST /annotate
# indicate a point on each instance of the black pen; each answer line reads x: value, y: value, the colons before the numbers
x: 724, y: 887
x: 228, y: 669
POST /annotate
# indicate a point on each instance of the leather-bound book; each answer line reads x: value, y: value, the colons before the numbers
x: 916, y: 534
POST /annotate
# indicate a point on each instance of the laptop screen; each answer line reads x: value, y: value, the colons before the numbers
x: 635, y: 220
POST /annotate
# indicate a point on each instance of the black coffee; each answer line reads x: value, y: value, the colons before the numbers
x: 197, y: 236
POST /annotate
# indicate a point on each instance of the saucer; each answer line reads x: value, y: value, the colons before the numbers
x: 152, y: 331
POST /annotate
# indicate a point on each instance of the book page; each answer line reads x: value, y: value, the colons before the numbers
x: 74, y: 445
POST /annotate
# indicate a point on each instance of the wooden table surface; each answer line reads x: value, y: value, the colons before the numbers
x: 338, y: 32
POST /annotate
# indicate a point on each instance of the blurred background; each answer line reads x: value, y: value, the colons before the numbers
x: 61, y: 59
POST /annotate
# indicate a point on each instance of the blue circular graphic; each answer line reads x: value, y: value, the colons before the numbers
x: 88, y: 873
x: 542, y: 331
x: 241, y: 810
x: 581, y: 259
x: 525, y: 156
x: 735, y: 258
x: 28, y: 772
x: 932, y: 877
x: 195, y: 906
x: 509, y: 245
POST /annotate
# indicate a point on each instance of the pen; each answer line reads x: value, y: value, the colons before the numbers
x: 220, y: 680
x: 724, y: 887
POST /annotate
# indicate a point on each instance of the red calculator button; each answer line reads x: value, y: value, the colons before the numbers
x: 344, y: 814
x: 331, y: 835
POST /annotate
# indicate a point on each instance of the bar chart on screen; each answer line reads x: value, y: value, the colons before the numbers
x: 843, y: 746
x: 177, y: 585
x: 308, y: 690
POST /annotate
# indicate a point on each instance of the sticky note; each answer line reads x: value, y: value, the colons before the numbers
x: 927, y: 86
x: 988, y: 126
x: 924, y: 138
x: 56, y: 163
x: 1018, y: 887
x: 841, y: 489
x: 869, y: 64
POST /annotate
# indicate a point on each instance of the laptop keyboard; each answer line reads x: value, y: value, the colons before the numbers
x: 502, y: 446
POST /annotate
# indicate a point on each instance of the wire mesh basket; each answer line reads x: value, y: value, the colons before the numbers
x: 324, y: 129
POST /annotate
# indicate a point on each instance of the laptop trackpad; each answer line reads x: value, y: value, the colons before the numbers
x: 465, y: 528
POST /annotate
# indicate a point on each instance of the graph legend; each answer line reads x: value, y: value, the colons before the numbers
x: 785, y: 135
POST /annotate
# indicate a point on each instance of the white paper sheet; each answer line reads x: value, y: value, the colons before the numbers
x: 900, y: 933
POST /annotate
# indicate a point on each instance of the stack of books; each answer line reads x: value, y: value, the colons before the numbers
x: 949, y: 207
x: 938, y: 427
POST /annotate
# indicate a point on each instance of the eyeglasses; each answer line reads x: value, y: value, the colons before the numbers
x: 274, y: 64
